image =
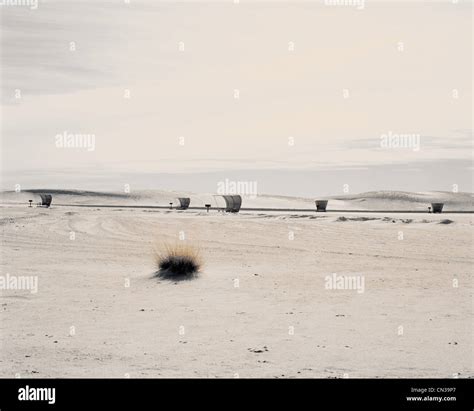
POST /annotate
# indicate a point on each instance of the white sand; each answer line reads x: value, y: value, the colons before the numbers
x: 230, y: 330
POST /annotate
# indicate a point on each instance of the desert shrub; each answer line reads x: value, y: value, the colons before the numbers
x: 178, y: 261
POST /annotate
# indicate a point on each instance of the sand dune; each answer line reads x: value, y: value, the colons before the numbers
x: 403, y: 200
x: 377, y: 200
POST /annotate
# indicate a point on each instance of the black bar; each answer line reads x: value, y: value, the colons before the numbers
x: 312, y: 394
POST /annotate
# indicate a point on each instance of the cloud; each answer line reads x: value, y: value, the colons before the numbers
x: 189, y: 92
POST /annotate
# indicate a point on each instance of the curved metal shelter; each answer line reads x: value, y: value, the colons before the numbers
x: 232, y: 203
x: 321, y: 205
x: 46, y: 200
x: 183, y: 203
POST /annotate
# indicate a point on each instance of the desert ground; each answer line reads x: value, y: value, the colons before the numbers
x: 260, y: 306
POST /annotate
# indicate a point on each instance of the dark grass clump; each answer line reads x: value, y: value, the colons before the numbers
x: 178, y: 262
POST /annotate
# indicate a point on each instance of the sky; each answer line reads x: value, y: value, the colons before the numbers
x: 303, y: 97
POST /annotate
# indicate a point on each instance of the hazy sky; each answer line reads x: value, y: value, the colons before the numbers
x: 318, y: 87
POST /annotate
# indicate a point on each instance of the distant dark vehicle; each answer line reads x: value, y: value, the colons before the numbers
x: 321, y: 205
x: 437, y: 207
x: 46, y: 200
